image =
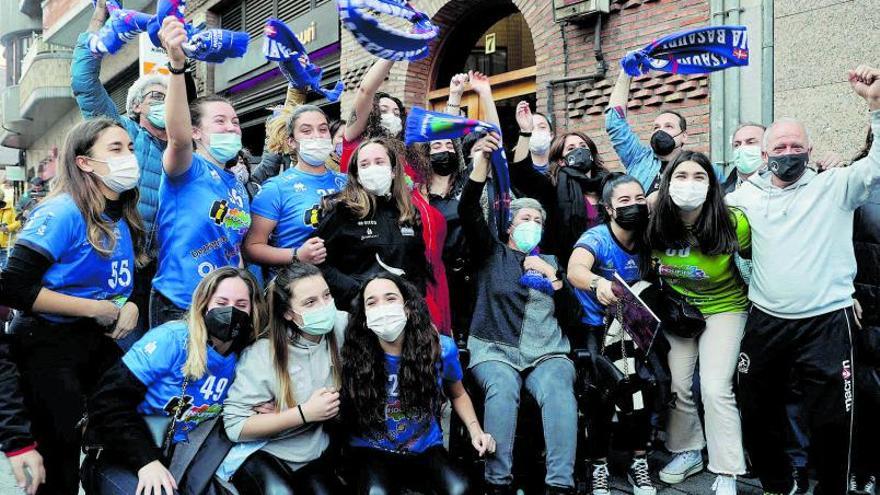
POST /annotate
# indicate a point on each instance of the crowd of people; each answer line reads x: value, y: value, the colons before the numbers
x: 194, y: 324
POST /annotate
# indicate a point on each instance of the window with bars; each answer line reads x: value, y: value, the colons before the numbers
x: 251, y: 16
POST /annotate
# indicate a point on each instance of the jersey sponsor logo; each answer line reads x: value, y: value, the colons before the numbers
x: 312, y: 216
x: 846, y: 374
x: 234, y: 218
x: 299, y: 187
x: 209, y: 247
x: 682, y: 272
x: 743, y: 363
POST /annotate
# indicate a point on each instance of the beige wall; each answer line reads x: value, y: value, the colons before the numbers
x: 816, y: 42
x: 54, y: 136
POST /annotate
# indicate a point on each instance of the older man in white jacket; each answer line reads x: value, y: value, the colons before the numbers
x: 802, y: 322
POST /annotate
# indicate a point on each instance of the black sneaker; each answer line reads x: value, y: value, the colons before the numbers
x: 861, y: 485
x: 599, y: 481
x: 801, y: 480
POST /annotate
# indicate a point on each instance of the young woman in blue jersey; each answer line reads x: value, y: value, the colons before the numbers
x: 204, y: 211
x: 372, y: 225
x: 613, y: 247
x: 395, y: 372
x: 296, y: 369
x: 182, y: 368
x: 70, y: 275
x: 286, y: 210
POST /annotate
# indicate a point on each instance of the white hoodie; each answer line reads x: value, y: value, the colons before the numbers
x: 802, y: 247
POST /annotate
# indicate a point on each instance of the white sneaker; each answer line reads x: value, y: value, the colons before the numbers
x: 600, y: 481
x: 639, y: 474
x: 682, y: 466
x: 724, y: 485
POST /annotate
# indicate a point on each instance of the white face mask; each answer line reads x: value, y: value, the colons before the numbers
x: 123, y: 175
x: 747, y: 159
x: 315, y: 151
x: 391, y: 123
x: 376, y: 179
x: 539, y: 143
x: 386, y: 321
x: 688, y: 194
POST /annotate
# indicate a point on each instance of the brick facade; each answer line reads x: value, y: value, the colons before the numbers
x: 630, y: 25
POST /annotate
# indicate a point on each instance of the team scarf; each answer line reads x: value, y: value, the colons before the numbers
x: 121, y: 27
x: 206, y: 45
x: 423, y: 126
x: 533, y: 279
x: 282, y: 46
x: 695, y: 51
x: 386, y: 41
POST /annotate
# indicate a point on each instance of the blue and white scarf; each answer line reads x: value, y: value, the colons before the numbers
x: 282, y: 46
x: 695, y: 51
x: 385, y: 41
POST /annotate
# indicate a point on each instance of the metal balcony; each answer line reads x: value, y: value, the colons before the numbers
x: 10, y: 115
x: 64, y: 20
x: 13, y: 22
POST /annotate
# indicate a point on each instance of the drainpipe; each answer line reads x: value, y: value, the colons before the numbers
x: 767, y: 63
x: 732, y: 105
x: 601, y: 67
x: 716, y: 99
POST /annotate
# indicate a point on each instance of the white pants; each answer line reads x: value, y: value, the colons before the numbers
x: 718, y: 350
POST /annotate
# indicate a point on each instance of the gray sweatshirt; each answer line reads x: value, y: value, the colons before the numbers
x: 310, y: 368
x: 802, y: 248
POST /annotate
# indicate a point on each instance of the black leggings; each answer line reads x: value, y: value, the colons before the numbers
x: 385, y: 473
x: 264, y: 474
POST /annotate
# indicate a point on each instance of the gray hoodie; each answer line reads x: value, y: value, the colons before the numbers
x: 802, y: 249
x: 310, y: 368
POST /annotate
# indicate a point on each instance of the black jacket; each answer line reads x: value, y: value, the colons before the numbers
x: 866, y: 241
x: 15, y: 427
x: 355, y: 246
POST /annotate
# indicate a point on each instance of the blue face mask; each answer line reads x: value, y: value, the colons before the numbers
x: 224, y: 147
x: 156, y: 115
x: 527, y: 235
x: 319, y: 321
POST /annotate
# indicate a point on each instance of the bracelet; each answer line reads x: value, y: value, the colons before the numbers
x: 295, y: 259
x: 178, y: 72
x: 299, y: 407
x: 525, y: 134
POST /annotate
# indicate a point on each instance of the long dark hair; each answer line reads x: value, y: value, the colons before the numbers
x: 278, y: 294
x: 714, y: 232
x: 558, y: 147
x: 364, y: 377
x: 414, y: 155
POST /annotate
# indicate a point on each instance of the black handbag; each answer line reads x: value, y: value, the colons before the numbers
x: 679, y: 317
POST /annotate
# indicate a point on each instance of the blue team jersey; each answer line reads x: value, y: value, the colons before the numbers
x: 157, y: 361
x: 293, y: 200
x: 403, y: 433
x: 610, y: 257
x: 58, y: 231
x: 204, y: 214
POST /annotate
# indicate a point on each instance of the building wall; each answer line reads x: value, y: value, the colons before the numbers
x: 815, y: 44
x: 54, y: 136
x: 632, y: 24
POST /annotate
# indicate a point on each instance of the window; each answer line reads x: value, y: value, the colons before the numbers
x: 118, y: 86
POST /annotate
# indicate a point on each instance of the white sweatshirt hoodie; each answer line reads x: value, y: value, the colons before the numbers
x: 802, y: 247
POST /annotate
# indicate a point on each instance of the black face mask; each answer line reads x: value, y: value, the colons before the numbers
x: 444, y: 163
x: 229, y: 324
x: 580, y: 159
x: 663, y: 143
x: 2, y: 204
x: 788, y: 168
x: 633, y: 218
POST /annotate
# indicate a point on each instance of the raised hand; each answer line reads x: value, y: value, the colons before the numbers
x: 173, y: 36
x: 865, y: 81
x: 480, y: 83
x: 456, y: 85
x: 524, y: 117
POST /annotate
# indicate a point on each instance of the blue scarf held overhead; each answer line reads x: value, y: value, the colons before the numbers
x: 207, y: 45
x: 695, y: 51
x: 386, y: 41
x: 423, y: 126
x: 282, y: 46
x: 121, y: 27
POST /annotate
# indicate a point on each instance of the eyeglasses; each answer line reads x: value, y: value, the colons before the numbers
x: 155, y: 96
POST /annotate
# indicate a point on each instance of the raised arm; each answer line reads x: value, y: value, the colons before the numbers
x: 863, y: 177
x: 480, y: 85
x: 85, y: 82
x: 476, y: 229
x: 620, y: 94
x: 363, y: 100
x: 178, y: 155
x: 526, y: 126
x: 456, y: 89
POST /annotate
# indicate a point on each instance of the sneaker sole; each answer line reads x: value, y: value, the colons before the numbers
x: 635, y: 487
x: 674, y: 479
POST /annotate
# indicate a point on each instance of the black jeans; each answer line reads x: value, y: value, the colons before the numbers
x: 819, y: 351
x: 263, y: 473
x: 379, y: 472
x: 60, y: 365
x: 162, y: 310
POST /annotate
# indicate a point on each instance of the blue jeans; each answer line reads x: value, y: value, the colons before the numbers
x: 551, y: 383
x: 4, y: 258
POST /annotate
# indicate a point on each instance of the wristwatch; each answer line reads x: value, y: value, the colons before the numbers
x: 176, y: 71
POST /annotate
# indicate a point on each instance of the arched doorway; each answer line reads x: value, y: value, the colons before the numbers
x: 496, y: 41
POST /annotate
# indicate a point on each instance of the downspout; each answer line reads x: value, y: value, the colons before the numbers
x: 732, y: 102
x: 601, y: 67
x: 716, y: 100
x: 767, y: 96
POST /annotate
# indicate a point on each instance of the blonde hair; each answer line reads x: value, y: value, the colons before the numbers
x: 279, y: 294
x: 83, y: 188
x: 196, y: 364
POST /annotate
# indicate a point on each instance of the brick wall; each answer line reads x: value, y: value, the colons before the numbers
x: 631, y: 24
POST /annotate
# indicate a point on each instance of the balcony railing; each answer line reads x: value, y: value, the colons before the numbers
x: 44, y: 90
